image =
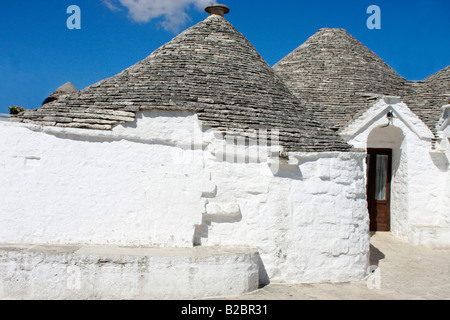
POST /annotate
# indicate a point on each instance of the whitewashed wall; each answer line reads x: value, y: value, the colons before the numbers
x: 61, y: 187
x: 420, y: 200
x: 145, y: 184
x: 310, y: 221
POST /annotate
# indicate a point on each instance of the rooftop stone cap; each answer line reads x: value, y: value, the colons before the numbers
x: 66, y: 89
x: 218, y: 9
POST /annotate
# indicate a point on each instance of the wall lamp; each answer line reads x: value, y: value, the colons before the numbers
x: 390, y: 116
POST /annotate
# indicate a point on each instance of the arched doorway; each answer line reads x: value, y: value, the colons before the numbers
x: 386, y: 180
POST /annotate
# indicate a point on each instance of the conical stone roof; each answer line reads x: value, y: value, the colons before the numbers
x: 426, y: 98
x: 335, y: 76
x: 440, y: 82
x: 210, y: 69
x: 441, y: 77
x: 65, y: 89
x: 338, y: 78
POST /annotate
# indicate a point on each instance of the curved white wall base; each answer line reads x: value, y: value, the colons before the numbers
x: 93, y: 272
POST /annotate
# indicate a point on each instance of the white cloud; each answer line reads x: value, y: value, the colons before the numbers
x: 111, y: 6
x: 174, y: 12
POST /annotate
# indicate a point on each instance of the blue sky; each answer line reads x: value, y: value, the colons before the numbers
x: 38, y: 53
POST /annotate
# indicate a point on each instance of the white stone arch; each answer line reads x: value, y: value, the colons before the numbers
x: 356, y: 132
x: 390, y: 137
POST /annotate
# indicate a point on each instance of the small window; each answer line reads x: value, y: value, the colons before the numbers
x: 381, y: 176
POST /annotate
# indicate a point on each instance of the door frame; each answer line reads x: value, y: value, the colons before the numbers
x: 371, y: 202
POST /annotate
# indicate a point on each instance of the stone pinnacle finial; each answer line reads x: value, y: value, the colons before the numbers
x: 218, y: 9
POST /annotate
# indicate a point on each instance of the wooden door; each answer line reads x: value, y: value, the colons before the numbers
x: 379, y: 175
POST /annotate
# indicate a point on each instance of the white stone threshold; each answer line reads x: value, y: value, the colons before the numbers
x: 122, y: 273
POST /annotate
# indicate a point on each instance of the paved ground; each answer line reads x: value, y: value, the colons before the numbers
x: 406, y: 272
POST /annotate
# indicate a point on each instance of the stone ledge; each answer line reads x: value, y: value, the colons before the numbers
x: 74, y: 272
x: 4, y: 117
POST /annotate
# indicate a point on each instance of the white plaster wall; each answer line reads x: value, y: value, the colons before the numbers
x: 68, y: 188
x: 446, y: 139
x: 420, y: 199
x: 146, y: 184
x: 309, y: 221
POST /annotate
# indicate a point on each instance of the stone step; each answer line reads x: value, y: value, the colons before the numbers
x: 123, y: 273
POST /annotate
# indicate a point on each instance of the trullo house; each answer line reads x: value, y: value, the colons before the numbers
x: 402, y: 125
x: 200, y: 172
